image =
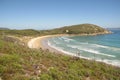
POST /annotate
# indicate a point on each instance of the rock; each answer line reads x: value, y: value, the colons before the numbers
x: 37, y: 72
x: 88, y: 78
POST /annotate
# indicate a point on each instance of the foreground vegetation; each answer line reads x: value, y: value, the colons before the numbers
x: 18, y: 62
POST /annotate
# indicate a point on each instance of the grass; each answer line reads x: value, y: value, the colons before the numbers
x: 17, y: 62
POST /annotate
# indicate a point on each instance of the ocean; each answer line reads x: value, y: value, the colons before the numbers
x: 103, y: 48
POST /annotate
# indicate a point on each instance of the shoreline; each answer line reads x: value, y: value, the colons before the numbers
x: 42, y: 42
x: 37, y: 42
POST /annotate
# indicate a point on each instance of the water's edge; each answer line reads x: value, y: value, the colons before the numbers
x: 67, y: 48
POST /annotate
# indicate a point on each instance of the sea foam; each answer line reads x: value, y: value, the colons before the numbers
x: 111, y: 62
x: 90, y: 50
x: 91, y: 47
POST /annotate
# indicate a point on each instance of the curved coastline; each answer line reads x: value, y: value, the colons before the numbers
x: 42, y: 42
x: 37, y: 42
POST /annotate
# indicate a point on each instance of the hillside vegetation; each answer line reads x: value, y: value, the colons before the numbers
x: 18, y: 62
x: 74, y: 29
x: 26, y: 32
x: 80, y: 29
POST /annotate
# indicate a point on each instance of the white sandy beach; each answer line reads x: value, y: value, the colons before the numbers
x: 36, y: 42
x: 41, y: 42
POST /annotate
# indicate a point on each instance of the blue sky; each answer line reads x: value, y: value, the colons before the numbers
x: 48, y: 14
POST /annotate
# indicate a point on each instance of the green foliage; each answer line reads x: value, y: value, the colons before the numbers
x: 18, y: 62
x: 9, y: 64
x: 5, y: 59
x: 78, y: 29
x: 27, y: 32
x: 45, y: 77
x: 74, y: 29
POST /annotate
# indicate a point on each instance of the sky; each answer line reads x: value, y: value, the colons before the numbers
x: 49, y: 14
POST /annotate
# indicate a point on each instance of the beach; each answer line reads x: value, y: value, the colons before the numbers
x: 39, y: 42
x: 42, y: 42
x: 90, y: 47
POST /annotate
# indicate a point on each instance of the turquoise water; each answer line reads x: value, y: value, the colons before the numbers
x: 105, y: 48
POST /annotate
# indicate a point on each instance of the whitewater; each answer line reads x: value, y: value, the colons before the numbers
x: 103, y: 48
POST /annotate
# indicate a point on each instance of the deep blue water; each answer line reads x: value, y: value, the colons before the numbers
x: 105, y: 48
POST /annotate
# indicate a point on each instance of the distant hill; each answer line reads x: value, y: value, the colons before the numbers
x: 26, y: 32
x: 1, y: 28
x: 73, y: 29
x: 113, y: 28
x: 80, y: 29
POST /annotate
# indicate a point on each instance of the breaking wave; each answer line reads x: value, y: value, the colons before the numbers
x: 99, y: 48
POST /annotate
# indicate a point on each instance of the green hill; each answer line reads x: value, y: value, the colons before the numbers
x: 74, y: 29
x: 2, y: 28
x: 25, y: 32
x: 80, y: 29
